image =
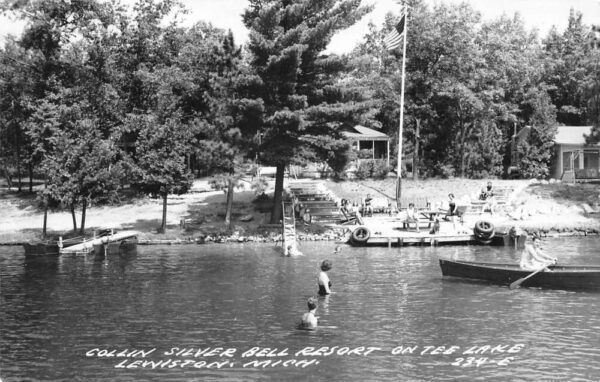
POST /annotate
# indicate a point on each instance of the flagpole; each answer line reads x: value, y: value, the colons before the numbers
x: 399, y: 171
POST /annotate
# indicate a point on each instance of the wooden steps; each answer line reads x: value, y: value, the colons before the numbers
x: 321, y: 203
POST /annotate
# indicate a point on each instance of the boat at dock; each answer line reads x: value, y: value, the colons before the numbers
x: 556, y: 277
x: 128, y: 245
x: 42, y: 248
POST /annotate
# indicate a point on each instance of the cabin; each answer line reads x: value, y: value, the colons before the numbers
x: 364, y: 138
x: 575, y: 160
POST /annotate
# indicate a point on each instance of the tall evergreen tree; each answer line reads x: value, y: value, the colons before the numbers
x: 299, y: 83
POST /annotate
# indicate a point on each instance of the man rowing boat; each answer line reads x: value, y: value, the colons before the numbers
x: 533, y: 258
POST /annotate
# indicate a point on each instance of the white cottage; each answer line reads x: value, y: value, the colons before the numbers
x: 364, y: 138
x: 576, y: 161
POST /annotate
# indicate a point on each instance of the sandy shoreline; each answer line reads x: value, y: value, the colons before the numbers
x: 547, y: 212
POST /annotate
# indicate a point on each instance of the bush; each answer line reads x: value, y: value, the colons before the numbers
x: 380, y: 170
x: 364, y: 169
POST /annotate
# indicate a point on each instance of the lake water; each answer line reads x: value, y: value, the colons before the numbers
x: 393, y: 317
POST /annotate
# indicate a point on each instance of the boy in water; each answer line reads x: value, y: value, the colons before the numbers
x: 323, y: 280
x: 309, y: 320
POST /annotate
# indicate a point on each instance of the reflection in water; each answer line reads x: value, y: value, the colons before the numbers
x: 56, y: 309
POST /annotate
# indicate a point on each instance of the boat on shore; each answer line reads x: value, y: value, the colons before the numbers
x: 556, y: 277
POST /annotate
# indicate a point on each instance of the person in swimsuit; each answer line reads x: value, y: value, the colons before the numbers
x: 367, y: 208
x: 323, y: 280
x: 452, y: 208
x: 533, y: 258
x: 309, y: 320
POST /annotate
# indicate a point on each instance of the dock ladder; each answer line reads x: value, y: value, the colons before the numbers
x: 288, y: 236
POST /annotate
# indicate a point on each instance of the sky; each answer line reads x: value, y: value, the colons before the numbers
x: 539, y: 14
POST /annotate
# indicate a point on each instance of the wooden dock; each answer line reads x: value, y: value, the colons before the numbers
x: 423, y: 239
x: 390, y: 232
x: 88, y: 245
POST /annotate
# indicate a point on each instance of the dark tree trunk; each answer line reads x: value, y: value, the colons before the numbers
x: 163, y: 224
x: 7, y: 175
x: 19, y: 160
x: 229, y: 203
x: 416, y: 152
x: 74, y: 218
x: 19, y: 175
x: 30, y: 168
x: 45, y: 218
x: 83, y: 211
x: 462, y: 140
x: 276, y: 211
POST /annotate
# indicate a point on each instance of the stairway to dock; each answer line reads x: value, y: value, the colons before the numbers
x: 322, y: 203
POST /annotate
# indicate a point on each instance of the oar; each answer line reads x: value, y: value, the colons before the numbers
x: 518, y: 283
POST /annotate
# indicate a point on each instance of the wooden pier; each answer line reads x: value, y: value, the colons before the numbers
x: 88, y: 245
x: 390, y: 232
x: 416, y: 239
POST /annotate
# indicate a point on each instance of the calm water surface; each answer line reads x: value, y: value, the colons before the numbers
x: 54, y: 311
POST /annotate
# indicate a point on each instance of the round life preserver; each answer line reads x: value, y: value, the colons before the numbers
x: 483, y: 231
x: 360, y: 235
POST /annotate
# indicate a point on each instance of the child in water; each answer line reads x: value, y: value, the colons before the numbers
x: 309, y: 320
x: 323, y: 280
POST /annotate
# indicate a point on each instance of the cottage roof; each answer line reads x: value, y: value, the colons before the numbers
x: 362, y: 133
x: 571, y: 135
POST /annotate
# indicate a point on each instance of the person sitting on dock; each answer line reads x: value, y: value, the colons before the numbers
x: 309, y: 320
x: 323, y: 280
x: 435, y: 228
x: 487, y: 195
x: 412, y: 216
x: 533, y: 258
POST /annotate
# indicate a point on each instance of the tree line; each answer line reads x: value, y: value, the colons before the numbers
x: 97, y: 98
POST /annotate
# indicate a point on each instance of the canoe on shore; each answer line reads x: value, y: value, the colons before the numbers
x: 559, y: 276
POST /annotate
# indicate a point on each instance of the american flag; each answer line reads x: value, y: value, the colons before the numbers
x: 394, y: 38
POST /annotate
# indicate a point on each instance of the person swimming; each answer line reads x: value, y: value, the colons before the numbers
x: 323, y: 280
x: 309, y: 320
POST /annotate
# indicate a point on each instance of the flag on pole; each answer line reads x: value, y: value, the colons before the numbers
x: 394, y: 38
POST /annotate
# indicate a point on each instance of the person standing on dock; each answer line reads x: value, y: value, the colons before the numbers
x: 452, y: 210
x: 323, y: 279
x: 534, y: 258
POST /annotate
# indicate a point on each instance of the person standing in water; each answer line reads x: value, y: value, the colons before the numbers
x: 309, y: 320
x: 323, y: 280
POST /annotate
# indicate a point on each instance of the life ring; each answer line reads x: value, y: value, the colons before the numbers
x: 483, y: 231
x: 360, y: 235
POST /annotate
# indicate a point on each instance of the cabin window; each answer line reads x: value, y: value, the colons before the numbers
x: 591, y: 159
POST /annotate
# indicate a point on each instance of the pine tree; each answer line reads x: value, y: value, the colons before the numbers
x: 298, y: 89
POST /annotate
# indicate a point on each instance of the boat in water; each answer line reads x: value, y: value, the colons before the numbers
x: 42, y: 248
x: 556, y: 277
